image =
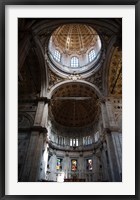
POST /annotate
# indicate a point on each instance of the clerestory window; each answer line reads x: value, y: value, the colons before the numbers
x: 74, y: 62
x: 57, y: 55
x: 91, y: 55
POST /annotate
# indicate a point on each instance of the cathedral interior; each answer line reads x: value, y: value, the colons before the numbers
x: 70, y: 100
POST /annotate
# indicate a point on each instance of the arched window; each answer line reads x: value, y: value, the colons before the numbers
x: 57, y: 55
x: 89, y: 140
x: 70, y: 142
x: 91, y: 55
x: 77, y: 142
x: 74, y: 142
x: 74, y: 62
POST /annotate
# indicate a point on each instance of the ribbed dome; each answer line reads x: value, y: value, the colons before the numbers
x: 75, y: 38
x: 74, y: 49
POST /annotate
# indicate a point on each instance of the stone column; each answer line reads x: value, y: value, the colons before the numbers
x: 39, y: 113
x: 81, y: 164
x: 67, y: 141
x: 112, y: 157
x: 81, y: 141
x: 104, y: 114
x: 37, y: 157
x: 115, y: 176
x: 34, y: 158
x: 44, y: 162
x: 96, y: 167
x: 117, y: 140
x: 66, y: 164
x: 34, y: 153
x: 106, y: 167
x: 110, y: 111
x: 45, y: 115
x: 53, y: 162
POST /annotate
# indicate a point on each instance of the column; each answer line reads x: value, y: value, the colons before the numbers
x: 37, y: 157
x: 96, y: 167
x: 34, y: 163
x: 106, y: 167
x: 110, y: 111
x: 45, y: 115
x: 115, y: 176
x: 39, y: 113
x: 53, y: 163
x: 112, y: 157
x: 44, y: 162
x: 33, y: 157
x: 66, y: 164
x: 117, y: 140
x: 104, y: 114
x: 81, y: 164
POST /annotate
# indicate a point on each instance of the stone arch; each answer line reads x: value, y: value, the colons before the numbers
x: 106, y: 65
x: 94, y: 87
x: 40, y: 54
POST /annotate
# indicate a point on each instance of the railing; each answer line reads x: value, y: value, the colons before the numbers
x: 75, y: 148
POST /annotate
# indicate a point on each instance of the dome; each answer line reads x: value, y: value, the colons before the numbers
x: 74, y: 48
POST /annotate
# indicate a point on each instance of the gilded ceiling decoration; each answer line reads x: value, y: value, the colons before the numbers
x: 97, y: 79
x: 74, y: 48
x: 53, y: 79
x: 75, y: 38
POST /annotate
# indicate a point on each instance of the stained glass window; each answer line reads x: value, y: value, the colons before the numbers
x: 89, y: 164
x: 73, y: 165
x: 74, y: 62
x: 91, y: 55
x: 59, y: 164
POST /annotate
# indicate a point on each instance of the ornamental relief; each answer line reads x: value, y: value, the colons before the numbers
x: 53, y: 79
x: 96, y: 79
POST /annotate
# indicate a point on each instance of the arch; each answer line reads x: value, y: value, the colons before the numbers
x: 40, y: 54
x: 54, y: 88
x: 44, y: 25
x: 106, y: 64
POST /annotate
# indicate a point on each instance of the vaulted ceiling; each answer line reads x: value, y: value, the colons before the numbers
x: 75, y: 105
x: 72, y: 104
x: 29, y: 75
x: 74, y: 38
